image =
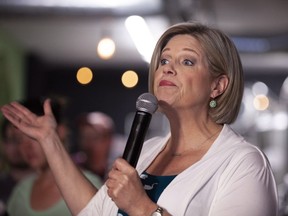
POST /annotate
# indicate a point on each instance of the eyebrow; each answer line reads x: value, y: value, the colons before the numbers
x: 185, y: 49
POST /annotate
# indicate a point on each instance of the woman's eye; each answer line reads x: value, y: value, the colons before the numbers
x: 188, y: 62
x: 163, y: 61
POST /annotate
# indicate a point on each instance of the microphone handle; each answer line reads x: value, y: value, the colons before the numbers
x: 136, y: 137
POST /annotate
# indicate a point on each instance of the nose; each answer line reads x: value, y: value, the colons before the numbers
x: 169, y: 69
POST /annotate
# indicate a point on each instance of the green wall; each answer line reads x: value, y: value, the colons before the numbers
x: 12, y: 80
x: 12, y: 65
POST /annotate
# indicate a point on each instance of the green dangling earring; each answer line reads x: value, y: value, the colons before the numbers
x: 213, y: 103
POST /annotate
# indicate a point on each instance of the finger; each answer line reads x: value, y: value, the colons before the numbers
x: 7, y: 114
x: 47, y: 107
x: 22, y: 112
x: 123, y: 166
x: 11, y: 114
x: 117, y: 168
x: 114, y: 174
x: 110, y: 193
x: 119, y: 163
x: 17, y: 114
x: 111, y: 187
x: 19, y: 108
x: 111, y: 183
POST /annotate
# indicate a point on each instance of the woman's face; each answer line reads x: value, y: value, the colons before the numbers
x: 11, y: 148
x: 32, y: 152
x: 182, y: 79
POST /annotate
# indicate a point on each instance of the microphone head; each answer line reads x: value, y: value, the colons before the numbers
x: 147, y: 103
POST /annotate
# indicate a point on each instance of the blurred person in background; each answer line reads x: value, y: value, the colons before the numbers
x: 38, y: 193
x: 13, y: 167
x: 98, y: 143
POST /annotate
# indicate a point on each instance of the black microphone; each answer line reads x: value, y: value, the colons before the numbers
x: 146, y: 105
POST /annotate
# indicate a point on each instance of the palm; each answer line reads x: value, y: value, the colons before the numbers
x: 37, y: 127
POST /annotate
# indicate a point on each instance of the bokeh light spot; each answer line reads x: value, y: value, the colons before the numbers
x: 261, y: 102
x: 129, y: 79
x: 106, y: 48
x: 84, y: 75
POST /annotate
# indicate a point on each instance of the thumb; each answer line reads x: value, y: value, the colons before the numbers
x: 47, y: 107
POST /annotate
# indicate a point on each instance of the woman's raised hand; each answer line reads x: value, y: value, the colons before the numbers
x: 37, y: 127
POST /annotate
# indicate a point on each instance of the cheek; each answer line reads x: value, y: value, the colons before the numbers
x: 156, y: 79
x: 186, y: 84
x: 30, y: 146
x: 23, y: 148
x: 11, y: 151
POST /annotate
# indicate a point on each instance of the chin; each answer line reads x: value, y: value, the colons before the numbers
x: 34, y: 164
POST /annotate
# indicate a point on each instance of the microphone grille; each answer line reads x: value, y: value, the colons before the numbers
x: 147, y: 103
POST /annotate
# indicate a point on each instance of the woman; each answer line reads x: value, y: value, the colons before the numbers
x: 15, y: 168
x: 38, y: 194
x: 202, y: 167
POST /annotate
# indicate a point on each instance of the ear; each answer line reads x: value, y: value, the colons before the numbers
x: 219, y: 85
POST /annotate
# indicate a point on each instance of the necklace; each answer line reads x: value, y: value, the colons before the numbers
x: 178, y: 154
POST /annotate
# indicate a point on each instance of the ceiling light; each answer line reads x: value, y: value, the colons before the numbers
x: 106, y: 48
x: 141, y: 36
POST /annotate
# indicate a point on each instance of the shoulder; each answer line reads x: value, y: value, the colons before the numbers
x: 22, y: 188
x: 25, y: 183
x: 232, y: 142
x: 242, y: 158
x: 20, y: 195
x: 249, y: 151
x: 236, y: 152
x: 250, y: 157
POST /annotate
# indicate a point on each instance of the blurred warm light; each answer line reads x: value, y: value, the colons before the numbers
x: 84, y: 75
x: 264, y: 121
x: 106, y: 48
x: 260, y: 88
x: 261, y: 102
x: 129, y: 79
x: 280, y: 121
x: 141, y: 36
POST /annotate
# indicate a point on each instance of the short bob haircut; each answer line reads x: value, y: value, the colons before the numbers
x: 222, y: 58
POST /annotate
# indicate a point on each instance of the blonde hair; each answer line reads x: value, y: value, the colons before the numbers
x: 222, y: 58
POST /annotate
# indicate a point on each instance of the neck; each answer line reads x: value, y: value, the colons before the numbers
x: 18, y: 174
x: 187, y: 140
x: 45, y: 177
x: 196, y: 147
